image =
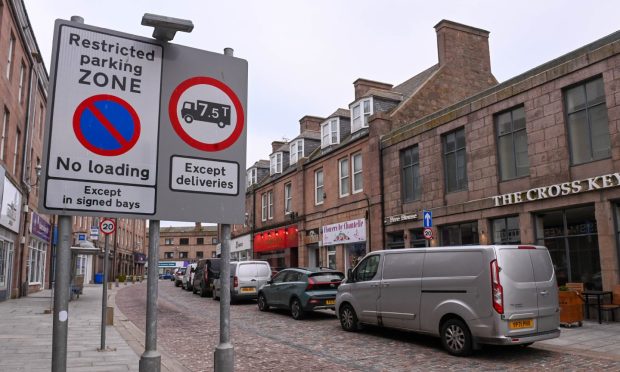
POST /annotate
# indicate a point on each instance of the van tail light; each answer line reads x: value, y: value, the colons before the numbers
x: 235, y: 282
x: 496, y: 288
x: 526, y: 247
x: 311, y: 284
x: 206, y: 275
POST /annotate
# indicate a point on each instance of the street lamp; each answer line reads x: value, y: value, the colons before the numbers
x: 166, y: 27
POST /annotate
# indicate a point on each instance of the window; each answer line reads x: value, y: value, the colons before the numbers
x: 330, y: 132
x: 5, y: 124
x: 213, y: 254
x: 200, y: 241
x: 16, y: 152
x: 183, y: 254
x: 36, y: 257
x: 343, y: 176
x: 199, y: 254
x: 214, y: 241
x: 360, y: 112
x: 460, y: 234
x: 4, y: 264
x: 264, y: 207
x: 41, y: 116
x: 22, y: 76
x: 454, y: 160
x: 9, y: 62
x: 410, y: 163
x: 270, y: 202
x: 318, y: 187
x: 331, y: 257
x: 252, y: 176
x: 276, y: 163
x: 506, y: 230
x: 183, y: 241
x: 288, y: 198
x: 358, y: 181
x: 512, y: 144
x: 169, y: 255
x: 586, y: 115
x: 297, y: 150
x: 168, y: 241
x: 367, y: 269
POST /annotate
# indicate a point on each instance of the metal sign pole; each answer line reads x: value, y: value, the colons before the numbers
x: 150, y: 361
x: 224, y: 360
x: 104, y: 299
x: 61, y: 295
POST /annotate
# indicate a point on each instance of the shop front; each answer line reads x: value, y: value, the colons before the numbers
x: 10, y: 216
x: 278, y: 246
x: 240, y: 248
x: 139, y: 260
x: 37, y: 251
x: 312, y: 242
x: 347, y: 239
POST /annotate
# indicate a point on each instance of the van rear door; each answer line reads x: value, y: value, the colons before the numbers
x: 520, y: 302
x: 546, y: 286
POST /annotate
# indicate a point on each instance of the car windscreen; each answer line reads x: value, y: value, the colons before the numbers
x: 327, y: 277
x: 181, y: 271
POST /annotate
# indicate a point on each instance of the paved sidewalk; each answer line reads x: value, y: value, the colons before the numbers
x: 592, y: 339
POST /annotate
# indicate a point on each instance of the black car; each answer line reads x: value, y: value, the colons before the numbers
x: 207, y: 270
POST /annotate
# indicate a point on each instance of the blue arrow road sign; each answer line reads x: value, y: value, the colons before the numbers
x: 428, y: 219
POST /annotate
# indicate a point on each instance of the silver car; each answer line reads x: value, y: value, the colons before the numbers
x: 246, y: 277
x: 468, y: 296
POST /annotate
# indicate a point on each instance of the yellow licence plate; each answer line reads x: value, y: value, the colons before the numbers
x: 521, y: 323
x: 248, y: 289
x: 330, y: 302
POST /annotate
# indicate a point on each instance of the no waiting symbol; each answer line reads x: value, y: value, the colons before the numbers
x: 106, y: 125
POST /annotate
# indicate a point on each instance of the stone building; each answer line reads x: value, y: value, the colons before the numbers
x: 533, y: 160
x: 180, y: 246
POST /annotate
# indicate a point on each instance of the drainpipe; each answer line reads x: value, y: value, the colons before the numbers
x: 382, y: 200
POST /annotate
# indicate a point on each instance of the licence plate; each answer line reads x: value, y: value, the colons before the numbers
x: 521, y: 323
x: 250, y: 289
x: 330, y: 302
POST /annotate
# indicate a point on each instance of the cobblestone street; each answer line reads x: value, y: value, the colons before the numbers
x: 188, y: 328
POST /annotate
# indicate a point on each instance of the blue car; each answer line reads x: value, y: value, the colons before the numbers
x: 166, y: 275
x: 301, y: 290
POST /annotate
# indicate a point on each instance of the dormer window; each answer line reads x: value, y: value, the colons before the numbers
x: 330, y: 132
x: 297, y: 150
x: 252, y: 176
x: 360, y: 111
x: 275, y: 163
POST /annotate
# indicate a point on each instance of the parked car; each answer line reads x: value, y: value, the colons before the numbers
x: 188, y: 278
x: 178, y: 276
x: 167, y: 275
x: 505, y: 295
x: 301, y: 290
x: 246, y: 277
x: 206, y: 271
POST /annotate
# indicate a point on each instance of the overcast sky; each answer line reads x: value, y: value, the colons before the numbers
x: 304, y: 55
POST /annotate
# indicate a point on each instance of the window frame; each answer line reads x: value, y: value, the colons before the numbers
x: 456, y: 150
x: 344, y: 180
x: 363, y: 115
x: 275, y: 163
x: 416, y: 193
x: 288, y: 198
x: 329, y: 125
x: 296, y: 150
x: 317, y: 187
x: 22, y: 78
x: 6, y: 119
x: 10, y: 56
x: 512, y: 133
x: 252, y: 176
x: 263, y: 216
x: 270, y: 205
x: 354, y: 174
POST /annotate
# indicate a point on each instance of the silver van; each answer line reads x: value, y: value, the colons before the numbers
x: 246, y: 277
x: 468, y: 296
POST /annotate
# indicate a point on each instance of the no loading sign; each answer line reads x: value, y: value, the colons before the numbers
x: 206, y: 114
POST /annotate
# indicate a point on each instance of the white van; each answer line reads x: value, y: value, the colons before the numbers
x: 246, y: 277
x: 466, y: 295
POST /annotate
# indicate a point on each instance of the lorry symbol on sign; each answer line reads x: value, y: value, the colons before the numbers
x: 206, y: 111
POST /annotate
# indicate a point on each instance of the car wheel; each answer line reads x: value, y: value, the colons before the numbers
x: 194, y: 290
x: 262, y: 302
x: 456, y: 338
x: 215, y: 296
x: 297, y: 311
x: 203, y: 292
x: 348, y: 318
x: 526, y: 344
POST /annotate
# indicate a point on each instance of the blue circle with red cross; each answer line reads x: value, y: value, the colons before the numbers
x: 106, y: 125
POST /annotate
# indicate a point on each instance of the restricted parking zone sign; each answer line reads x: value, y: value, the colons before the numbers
x: 133, y: 134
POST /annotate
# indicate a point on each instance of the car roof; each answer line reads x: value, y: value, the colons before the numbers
x: 313, y: 269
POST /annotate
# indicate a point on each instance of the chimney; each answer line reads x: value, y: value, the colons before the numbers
x: 463, y: 43
x: 198, y: 226
x: 310, y: 123
x: 275, y: 145
x: 362, y: 86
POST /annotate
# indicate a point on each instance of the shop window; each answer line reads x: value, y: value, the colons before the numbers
x: 410, y: 164
x: 355, y: 252
x: 199, y: 254
x: 343, y: 176
x: 331, y: 257
x: 200, y: 241
x: 506, y: 230
x: 512, y: 144
x: 455, y: 161
x: 396, y: 240
x: 184, y: 241
x: 36, y: 264
x: 416, y: 238
x: 169, y: 255
x: 460, y: 234
x: 586, y: 117
x: 4, y: 265
x: 183, y: 254
x: 571, y: 236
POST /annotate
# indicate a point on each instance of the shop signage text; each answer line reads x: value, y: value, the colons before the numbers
x: 560, y: 189
x: 400, y: 218
x: 348, y: 232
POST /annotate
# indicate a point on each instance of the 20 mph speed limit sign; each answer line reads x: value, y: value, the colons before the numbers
x: 107, y: 226
x: 428, y: 234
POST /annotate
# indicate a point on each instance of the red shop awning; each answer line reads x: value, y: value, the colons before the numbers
x: 276, y: 239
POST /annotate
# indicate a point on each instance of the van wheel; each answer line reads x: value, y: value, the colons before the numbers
x: 297, y: 311
x: 262, y: 303
x: 527, y: 344
x: 194, y: 290
x: 203, y: 292
x: 456, y: 338
x: 348, y: 318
